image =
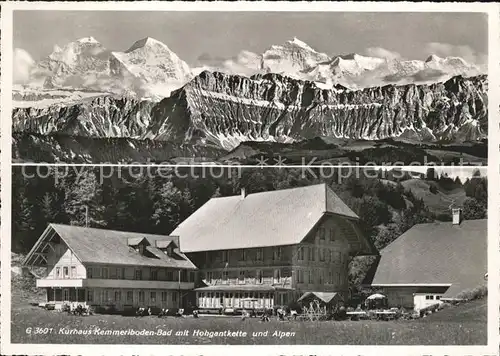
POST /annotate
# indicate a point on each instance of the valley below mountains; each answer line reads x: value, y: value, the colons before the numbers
x: 218, y: 116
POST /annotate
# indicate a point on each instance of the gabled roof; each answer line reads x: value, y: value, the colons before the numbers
x: 436, y: 253
x: 165, y: 243
x: 134, y: 241
x: 102, y: 246
x: 273, y: 218
x: 326, y: 297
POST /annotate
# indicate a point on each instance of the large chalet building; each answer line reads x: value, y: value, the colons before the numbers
x: 255, y: 251
x: 269, y: 248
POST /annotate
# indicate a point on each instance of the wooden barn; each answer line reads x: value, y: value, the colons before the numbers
x: 433, y: 262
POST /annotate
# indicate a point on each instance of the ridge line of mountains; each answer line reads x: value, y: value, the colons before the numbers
x: 86, y: 63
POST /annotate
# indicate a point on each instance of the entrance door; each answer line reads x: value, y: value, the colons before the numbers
x: 65, y: 296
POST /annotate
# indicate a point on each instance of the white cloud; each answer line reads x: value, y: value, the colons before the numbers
x: 23, y: 64
x: 127, y: 85
x: 380, y: 52
x: 245, y: 63
x: 465, y: 52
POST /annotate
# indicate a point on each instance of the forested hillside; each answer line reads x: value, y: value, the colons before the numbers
x: 154, y: 200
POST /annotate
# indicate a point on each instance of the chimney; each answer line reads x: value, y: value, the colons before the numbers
x: 457, y: 216
x: 243, y: 193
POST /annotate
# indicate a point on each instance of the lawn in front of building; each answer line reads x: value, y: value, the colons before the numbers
x: 460, y: 325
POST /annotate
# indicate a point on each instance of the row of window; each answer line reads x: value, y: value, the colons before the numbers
x: 117, y: 296
x: 235, y: 299
x: 231, y: 295
x: 66, y: 272
x: 244, y: 276
x: 323, y: 254
x: 243, y: 255
x: 432, y: 297
x: 322, y: 234
x: 119, y: 273
x: 319, y: 277
x: 279, y: 276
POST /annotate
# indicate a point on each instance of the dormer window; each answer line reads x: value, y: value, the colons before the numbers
x: 138, y: 244
x: 166, y: 246
x: 170, y: 251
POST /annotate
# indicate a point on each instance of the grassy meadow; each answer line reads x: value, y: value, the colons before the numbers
x: 459, y: 325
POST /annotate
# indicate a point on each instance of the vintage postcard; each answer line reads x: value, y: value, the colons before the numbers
x: 207, y: 178
x: 301, y: 87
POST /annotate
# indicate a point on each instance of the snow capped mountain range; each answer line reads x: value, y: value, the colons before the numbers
x: 149, y: 69
x: 357, y: 71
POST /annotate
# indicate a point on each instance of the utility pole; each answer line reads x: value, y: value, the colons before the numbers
x: 86, y: 215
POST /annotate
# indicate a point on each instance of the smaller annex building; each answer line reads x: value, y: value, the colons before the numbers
x: 433, y: 262
x: 111, y: 268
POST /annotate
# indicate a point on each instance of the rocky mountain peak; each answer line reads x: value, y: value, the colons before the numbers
x: 350, y: 56
x: 150, y: 65
x: 89, y: 39
x: 295, y: 42
x: 86, y: 47
x: 291, y: 58
x: 433, y: 58
x: 147, y: 42
x: 73, y: 63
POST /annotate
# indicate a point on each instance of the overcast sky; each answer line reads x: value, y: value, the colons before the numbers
x: 225, y: 34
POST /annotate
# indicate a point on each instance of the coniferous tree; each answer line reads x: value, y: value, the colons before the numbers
x: 431, y: 174
x: 49, y: 208
x: 171, y: 207
x: 83, y: 201
x: 474, y: 209
x: 110, y: 200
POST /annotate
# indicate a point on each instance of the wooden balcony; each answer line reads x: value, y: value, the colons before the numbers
x: 113, y: 283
